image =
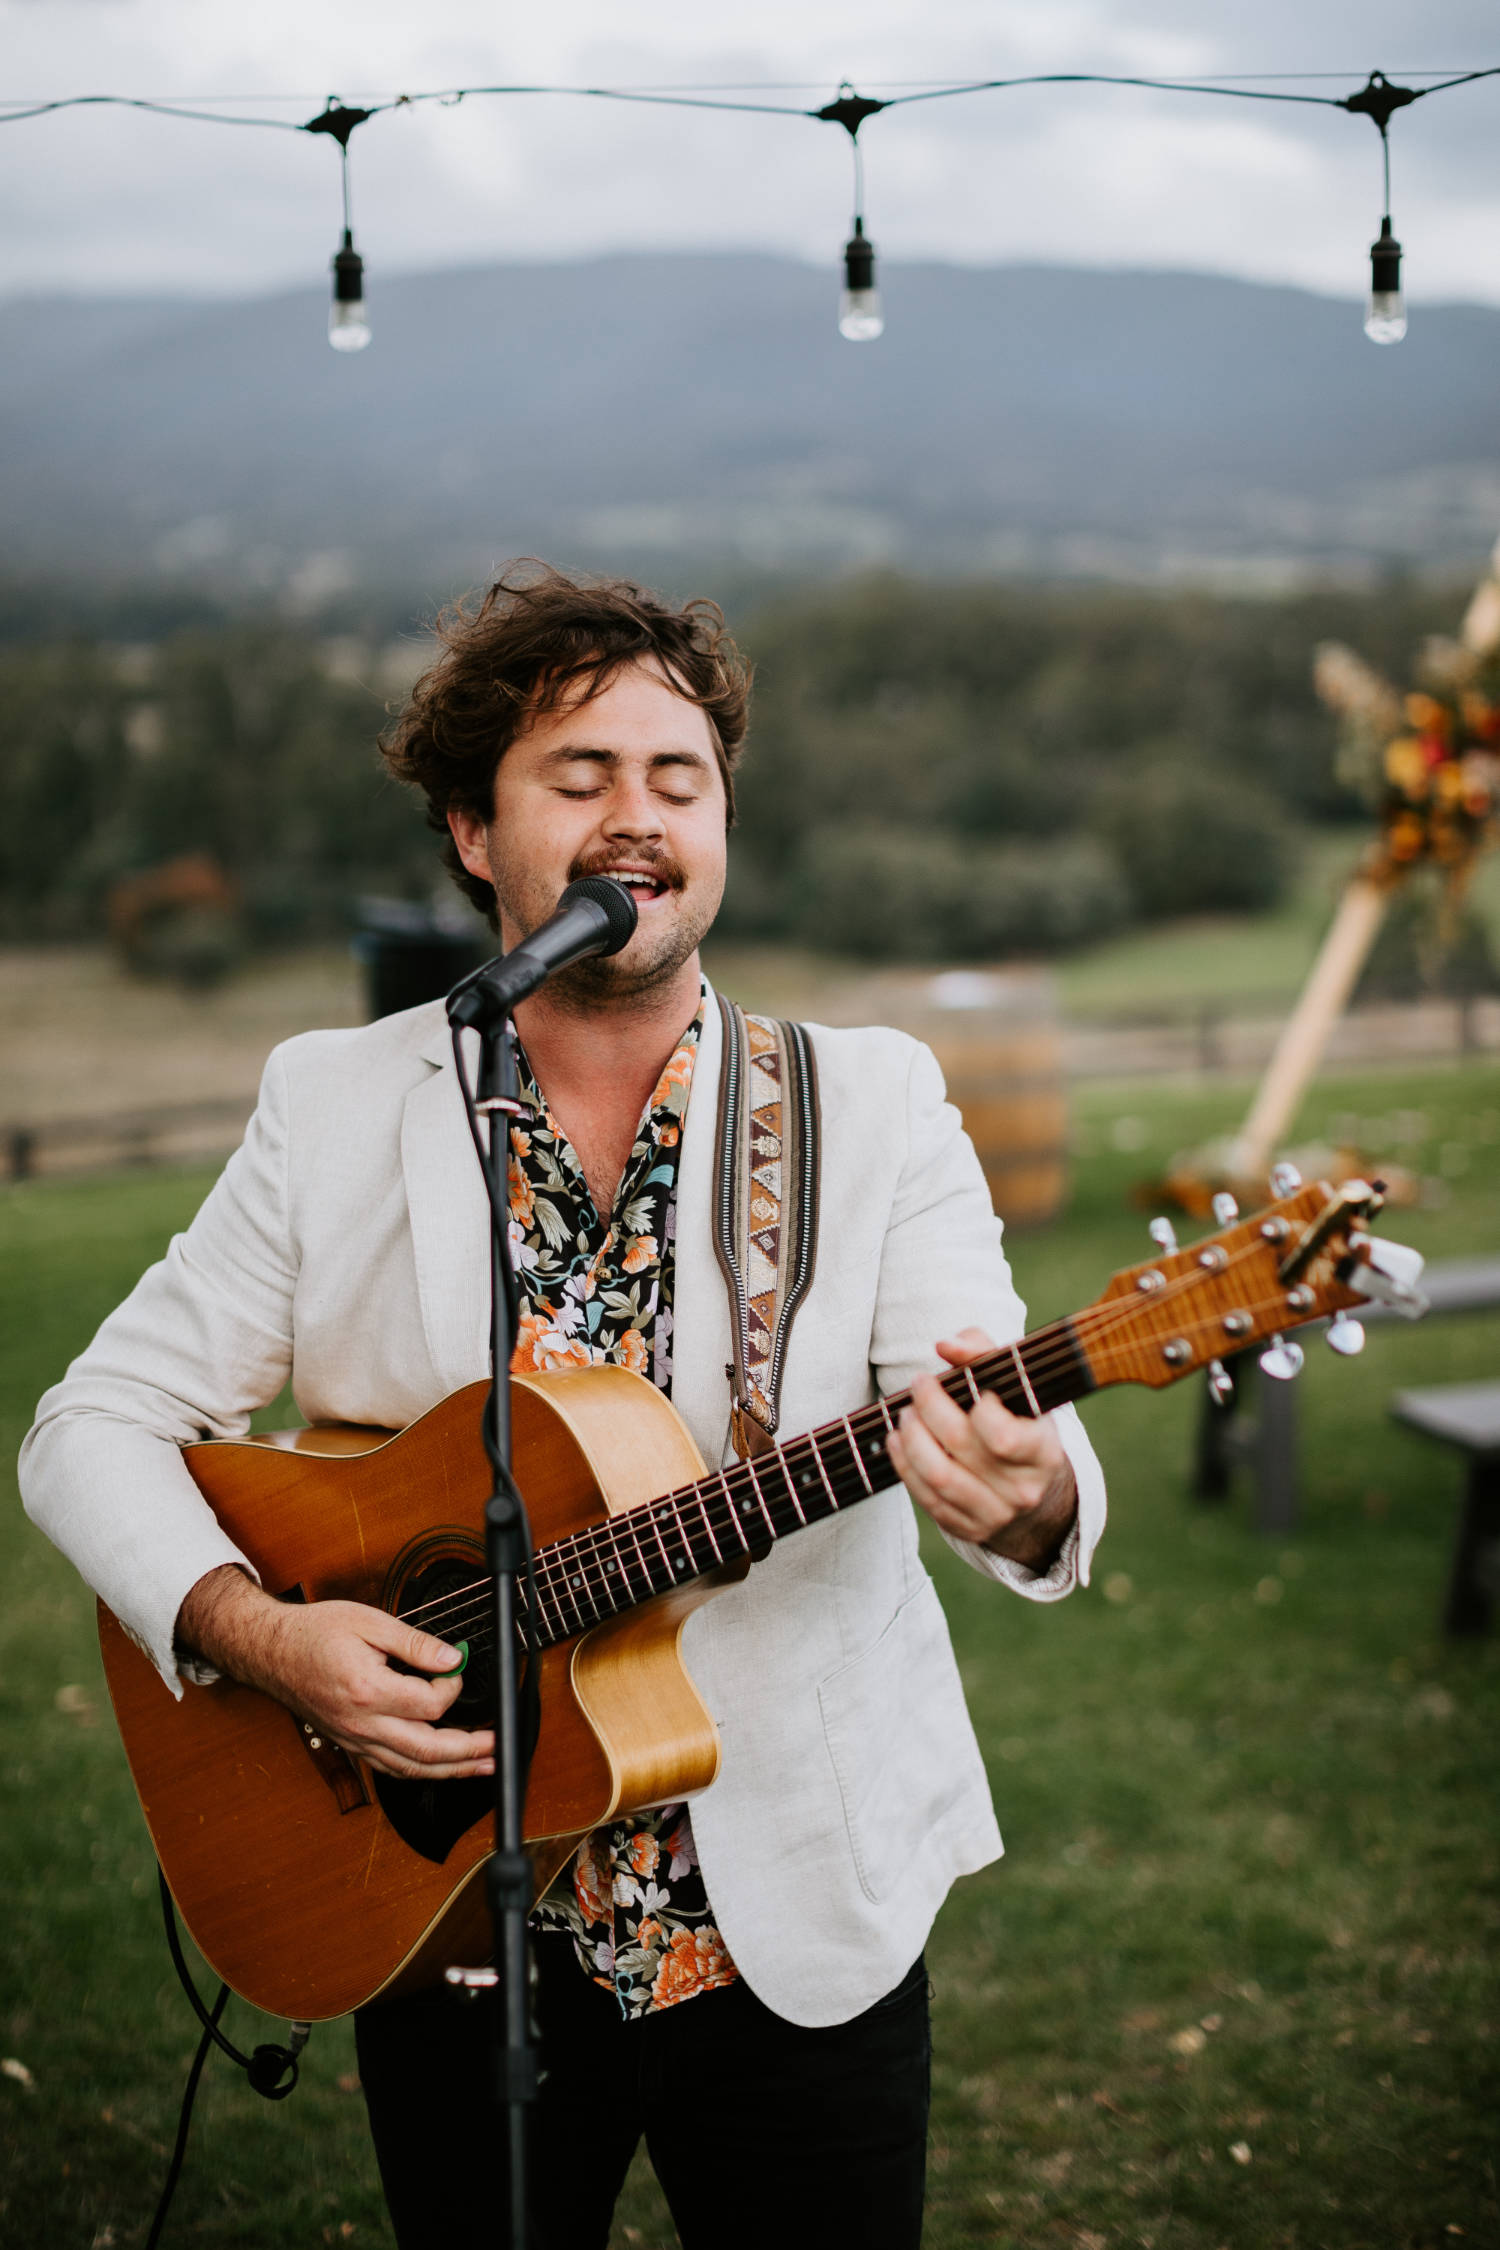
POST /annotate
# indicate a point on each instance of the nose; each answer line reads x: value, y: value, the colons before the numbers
x: 632, y: 811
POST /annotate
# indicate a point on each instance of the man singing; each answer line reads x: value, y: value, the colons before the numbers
x: 740, y: 1981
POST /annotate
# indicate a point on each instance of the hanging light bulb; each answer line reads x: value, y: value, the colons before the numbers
x: 348, y: 322
x: 1385, y: 311
x: 860, y: 317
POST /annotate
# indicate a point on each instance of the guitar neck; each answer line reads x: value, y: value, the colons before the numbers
x: 744, y: 1509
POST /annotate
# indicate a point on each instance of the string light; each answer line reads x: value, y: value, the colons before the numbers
x: 1385, y: 307
x: 861, y: 316
x: 348, y: 323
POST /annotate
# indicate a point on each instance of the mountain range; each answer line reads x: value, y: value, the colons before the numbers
x: 658, y: 410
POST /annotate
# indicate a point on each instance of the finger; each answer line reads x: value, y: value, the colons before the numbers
x: 432, y: 1753
x: 407, y: 1642
x: 982, y: 1436
x: 402, y: 1695
x: 944, y: 1418
x: 968, y: 1344
x: 1020, y: 1440
x: 944, y: 1486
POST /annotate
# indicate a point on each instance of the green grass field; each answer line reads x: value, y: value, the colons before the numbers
x: 1234, y: 1983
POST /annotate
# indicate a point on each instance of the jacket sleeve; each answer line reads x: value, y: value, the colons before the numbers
x: 203, y: 1339
x: 943, y: 1268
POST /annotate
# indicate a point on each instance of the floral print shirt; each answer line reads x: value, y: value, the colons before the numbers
x: 597, y: 1290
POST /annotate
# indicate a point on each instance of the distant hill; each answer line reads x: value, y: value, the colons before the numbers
x: 650, y: 410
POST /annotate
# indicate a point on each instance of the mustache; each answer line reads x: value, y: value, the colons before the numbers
x: 664, y: 866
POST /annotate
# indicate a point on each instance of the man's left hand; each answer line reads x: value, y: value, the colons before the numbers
x: 983, y: 1473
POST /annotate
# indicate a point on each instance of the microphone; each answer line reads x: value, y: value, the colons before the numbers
x: 594, y: 915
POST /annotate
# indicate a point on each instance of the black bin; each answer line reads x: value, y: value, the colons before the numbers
x: 411, y: 954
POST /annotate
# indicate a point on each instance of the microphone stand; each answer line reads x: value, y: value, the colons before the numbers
x: 507, y: 1558
x: 594, y: 915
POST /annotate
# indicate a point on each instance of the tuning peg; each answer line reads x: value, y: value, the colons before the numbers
x: 1225, y: 1209
x: 1281, y: 1360
x: 1285, y: 1179
x: 1164, y: 1234
x: 1345, y: 1336
x: 1220, y: 1383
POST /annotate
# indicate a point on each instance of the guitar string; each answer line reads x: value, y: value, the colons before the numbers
x: 599, y: 1542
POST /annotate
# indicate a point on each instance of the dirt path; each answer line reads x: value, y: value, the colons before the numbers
x: 79, y: 1036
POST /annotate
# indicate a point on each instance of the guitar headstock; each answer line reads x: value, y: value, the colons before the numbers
x: 1308, y: 1255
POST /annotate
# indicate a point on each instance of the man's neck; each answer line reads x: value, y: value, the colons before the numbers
x: 598, y: 1061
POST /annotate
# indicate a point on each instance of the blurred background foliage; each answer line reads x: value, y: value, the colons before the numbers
x: 961, y: 770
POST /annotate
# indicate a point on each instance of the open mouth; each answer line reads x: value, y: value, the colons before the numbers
x: 644, y: 887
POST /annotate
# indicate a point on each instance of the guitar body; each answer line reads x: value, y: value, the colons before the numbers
x: 310, y: 1883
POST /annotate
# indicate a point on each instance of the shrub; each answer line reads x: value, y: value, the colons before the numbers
x: 927, y: 896
x: 1191, y: 839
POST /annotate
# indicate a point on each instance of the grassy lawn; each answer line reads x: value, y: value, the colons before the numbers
x: 1233, y: 1984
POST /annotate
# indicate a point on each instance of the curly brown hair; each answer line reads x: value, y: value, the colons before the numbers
x: 535, y: 638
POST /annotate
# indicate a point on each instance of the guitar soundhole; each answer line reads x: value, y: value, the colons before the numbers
x: 438, y: 1582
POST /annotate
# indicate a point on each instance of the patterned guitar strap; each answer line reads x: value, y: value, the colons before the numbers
x: 765, y: 1206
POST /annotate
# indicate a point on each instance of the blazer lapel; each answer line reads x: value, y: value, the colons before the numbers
x: 449, y: 1221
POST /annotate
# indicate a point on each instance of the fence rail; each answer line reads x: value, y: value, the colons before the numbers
x: 1224, y: 1039
x: 175, y: 1135
x: 1210, y: 1039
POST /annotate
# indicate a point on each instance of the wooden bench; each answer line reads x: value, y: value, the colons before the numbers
x: 1466, y: 1415
x: 1259, y: 1423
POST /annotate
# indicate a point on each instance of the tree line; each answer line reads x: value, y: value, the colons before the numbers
x: 949, y: 770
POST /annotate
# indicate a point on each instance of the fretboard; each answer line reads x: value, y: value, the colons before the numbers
x: 744, y: 1509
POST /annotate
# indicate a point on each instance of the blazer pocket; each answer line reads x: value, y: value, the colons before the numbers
x: 900, y: 1740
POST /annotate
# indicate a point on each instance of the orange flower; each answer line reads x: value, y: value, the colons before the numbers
x: 678, y: 1073
x: 643, y: 1853
x: 521, y: 1202
x: 591, y: 1885
x: 542, y: 1349
x: 640, y: 1254
x: 632, y: 1351
x: 696, y: 1961
x: 667, y: 1136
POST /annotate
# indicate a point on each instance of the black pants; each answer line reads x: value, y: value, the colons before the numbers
x: 759, y: 2131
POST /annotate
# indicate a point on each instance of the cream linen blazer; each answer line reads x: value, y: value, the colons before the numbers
x: 345, y: 1247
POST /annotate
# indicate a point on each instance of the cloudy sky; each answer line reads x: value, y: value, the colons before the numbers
x: 101, y: 201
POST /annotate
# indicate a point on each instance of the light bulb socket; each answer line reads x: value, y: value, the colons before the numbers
x: 348, y: 273
x: 859, y: 259
x: 1385, y: 263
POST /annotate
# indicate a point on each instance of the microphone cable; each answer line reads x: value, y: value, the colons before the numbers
x: 272, y: 2070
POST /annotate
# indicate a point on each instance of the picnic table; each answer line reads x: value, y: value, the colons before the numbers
x: 1258, y: 1424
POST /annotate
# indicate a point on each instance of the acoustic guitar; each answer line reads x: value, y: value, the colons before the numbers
x: 311, y: 1882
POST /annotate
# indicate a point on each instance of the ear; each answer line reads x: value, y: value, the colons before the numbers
x: 470, y: 836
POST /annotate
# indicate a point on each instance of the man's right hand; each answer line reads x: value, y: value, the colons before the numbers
x: 331, y: 1662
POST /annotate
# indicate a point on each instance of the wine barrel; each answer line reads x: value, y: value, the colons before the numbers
x: 998, y: 1037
